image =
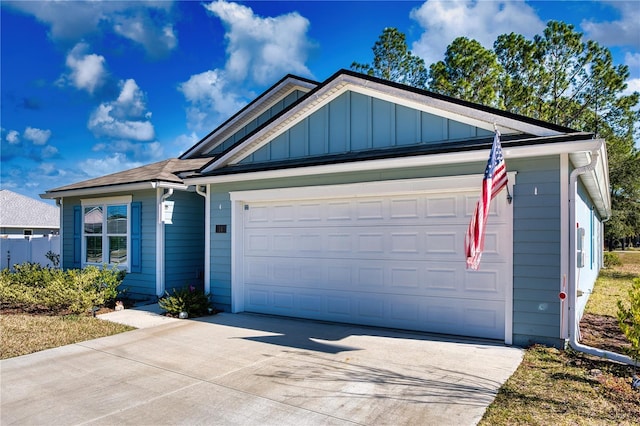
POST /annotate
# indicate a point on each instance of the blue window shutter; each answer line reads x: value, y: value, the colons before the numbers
x: 136, y: 234
x: 77, y: 236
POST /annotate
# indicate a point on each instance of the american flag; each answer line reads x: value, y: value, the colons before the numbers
x: 495, y: 178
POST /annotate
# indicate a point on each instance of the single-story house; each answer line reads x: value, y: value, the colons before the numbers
x: 25, y: 217
x: 348, y: 200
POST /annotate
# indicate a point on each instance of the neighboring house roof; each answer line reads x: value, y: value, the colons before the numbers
x: 164, y: 172
x: 18, y: 211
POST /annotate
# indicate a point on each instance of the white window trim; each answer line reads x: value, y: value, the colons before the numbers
x: 105, y: 202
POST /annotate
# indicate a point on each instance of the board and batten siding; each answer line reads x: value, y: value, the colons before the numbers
x: 354, y: 122
x: 184, y: 242
x: 137, y: 285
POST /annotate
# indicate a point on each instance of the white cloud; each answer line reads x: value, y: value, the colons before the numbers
x: 37, y: 136
x: 484, y: 21
x: 184, y: 142
x: 260, y: 50
x: 632, y: 60
x: 87, y: 70
x: 13, y: 137
x: 265, y: 48
x: 211, y: 97
x: 124, y: 118
x: 94, y: 167
x: 158, y: 41
x: 147, y: 23
x: 142, y: 152
x: 49, y: 151
x: 623, y: 32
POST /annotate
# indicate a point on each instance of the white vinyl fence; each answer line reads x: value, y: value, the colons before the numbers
x: 19, y: 250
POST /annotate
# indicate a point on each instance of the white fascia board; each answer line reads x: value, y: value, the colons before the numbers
x: 399, y: 162
x: 308, y: 107
x: 435, y: 185
x: 596, y: 181
x: 284, y: 89
x: 462, y: 113
x: 98, y: 190
x: 115, y: 188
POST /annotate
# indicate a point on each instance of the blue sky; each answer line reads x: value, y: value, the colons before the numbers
x: 91, y: 88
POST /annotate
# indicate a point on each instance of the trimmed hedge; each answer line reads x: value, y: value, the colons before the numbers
x: 32, y: 286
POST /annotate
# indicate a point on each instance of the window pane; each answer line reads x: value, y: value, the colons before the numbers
x: 93, y: 220
x: 117, y: 249
x: 116, y: 219
x: 94, y: 249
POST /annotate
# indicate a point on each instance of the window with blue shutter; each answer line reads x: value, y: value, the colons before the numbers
x: 77, y: 236
x: 136, y: 234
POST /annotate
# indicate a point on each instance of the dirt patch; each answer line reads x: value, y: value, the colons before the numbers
x: 603, y: 332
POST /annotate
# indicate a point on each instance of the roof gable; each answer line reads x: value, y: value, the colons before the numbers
x: 404, y: 98
x: 353, y: 122
x: 18, y: 211
x: 275, y: 99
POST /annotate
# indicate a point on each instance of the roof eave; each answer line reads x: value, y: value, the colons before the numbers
x: 110, y: 189
x: 584, y: 146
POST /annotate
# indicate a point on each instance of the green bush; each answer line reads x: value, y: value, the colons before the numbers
x: 611, y: 259
x: 629, y: 320
x: 32, y: 286
x: 186, y: 299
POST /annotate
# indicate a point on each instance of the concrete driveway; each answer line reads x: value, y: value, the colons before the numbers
x: 247, y: 369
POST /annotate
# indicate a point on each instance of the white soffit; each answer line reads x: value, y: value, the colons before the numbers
x: 596, y: 181
x: 345, y: 82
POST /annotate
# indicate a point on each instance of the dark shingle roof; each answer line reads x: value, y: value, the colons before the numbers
x: 164, y: 171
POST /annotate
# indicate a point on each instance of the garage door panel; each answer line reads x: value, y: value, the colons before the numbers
x: 394, y: 261
x: 417, y: 242
x: 443, y: 315
x: 402, y: 210
x: 399, y: 277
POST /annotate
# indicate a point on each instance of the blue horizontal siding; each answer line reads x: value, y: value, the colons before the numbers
x: 536, y: 250
x: 184, y: 242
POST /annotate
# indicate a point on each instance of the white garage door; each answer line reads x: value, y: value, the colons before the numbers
x: 394, y: 261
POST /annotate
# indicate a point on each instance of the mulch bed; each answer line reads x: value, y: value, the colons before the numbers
x: 603, y: 332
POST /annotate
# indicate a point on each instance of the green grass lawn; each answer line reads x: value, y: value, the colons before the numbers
x: 23, y: 334
x: 553, y: 387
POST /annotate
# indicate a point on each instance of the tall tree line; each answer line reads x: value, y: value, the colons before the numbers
x: 556, y: 76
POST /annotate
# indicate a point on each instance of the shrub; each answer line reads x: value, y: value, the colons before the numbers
x: 629, y: 320
x: 32, y: 286
x: 611, y: 259
x: 186, y: 299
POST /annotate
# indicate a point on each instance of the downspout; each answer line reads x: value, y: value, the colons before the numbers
x: 160, y: 249
x: 573, y: 285
x: 59, y: 204
x: 207, y: 237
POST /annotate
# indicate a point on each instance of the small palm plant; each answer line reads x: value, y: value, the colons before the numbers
x: 187, y: 299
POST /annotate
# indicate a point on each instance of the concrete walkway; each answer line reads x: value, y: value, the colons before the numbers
x: 242, y: 369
